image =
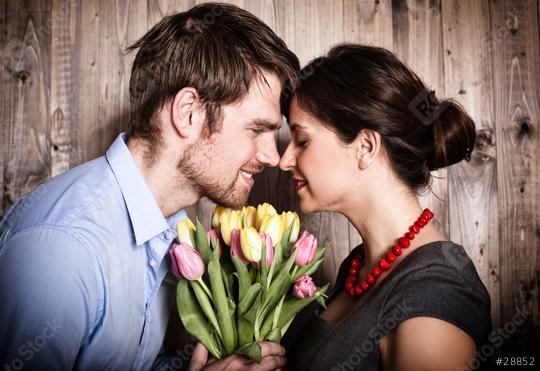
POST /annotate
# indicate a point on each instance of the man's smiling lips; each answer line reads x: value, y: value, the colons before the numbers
x: 248, y: 177
x: 300, y: 183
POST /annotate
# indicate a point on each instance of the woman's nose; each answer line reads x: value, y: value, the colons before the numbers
x: 288, y: 160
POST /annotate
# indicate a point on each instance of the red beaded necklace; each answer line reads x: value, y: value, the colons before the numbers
x: 356, y: 287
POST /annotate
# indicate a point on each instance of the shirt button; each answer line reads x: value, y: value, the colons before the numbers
x: 153, y: 263
x: 170, y: 234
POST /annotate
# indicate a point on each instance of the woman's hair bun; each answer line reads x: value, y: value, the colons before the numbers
x: 454, y: 136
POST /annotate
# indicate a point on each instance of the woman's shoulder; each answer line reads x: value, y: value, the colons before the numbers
x: 439, y: 280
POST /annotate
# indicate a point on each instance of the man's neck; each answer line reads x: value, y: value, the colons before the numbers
x: 171, y: 193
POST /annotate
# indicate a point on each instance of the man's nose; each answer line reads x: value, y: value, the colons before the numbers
x: 268, y: 153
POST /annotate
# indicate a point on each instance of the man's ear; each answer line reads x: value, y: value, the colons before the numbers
x: 368, y: 145
x: 185, y: 106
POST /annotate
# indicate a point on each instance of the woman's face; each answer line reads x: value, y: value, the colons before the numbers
x: 322, y: 166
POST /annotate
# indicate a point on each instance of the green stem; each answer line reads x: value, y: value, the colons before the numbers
x: 205, y: 288
x: 170, y: 281
x: 294, y: 271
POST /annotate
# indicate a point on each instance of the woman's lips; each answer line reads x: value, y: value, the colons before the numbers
x: 299, y: 185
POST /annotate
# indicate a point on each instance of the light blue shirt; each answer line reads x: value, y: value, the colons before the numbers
x: 82, y: 263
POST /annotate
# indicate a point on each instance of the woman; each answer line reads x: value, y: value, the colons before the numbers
x: 366, y: 133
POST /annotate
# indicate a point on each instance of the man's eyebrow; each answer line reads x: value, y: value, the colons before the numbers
x: 269, y: 125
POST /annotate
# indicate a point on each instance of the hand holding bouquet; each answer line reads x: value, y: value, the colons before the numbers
x: 244, y: 280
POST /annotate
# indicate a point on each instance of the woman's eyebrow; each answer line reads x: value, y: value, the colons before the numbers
x: 295, y: 126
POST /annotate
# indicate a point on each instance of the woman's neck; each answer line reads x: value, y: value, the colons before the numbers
x: 385, y: 218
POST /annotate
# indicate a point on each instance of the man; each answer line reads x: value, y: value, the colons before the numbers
x: 83, y: 257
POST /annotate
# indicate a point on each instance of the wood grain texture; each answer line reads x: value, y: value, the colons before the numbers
x: 417, y: 31
x: 4, y: 107
x: 473, y: 186
x: 65, y: 124
x: 26, y: 91
x: 515, y: 41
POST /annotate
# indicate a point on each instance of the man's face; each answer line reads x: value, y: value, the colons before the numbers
x: 222, y: 166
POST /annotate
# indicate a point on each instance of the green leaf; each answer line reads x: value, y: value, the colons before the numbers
x: 252, y: 351
x: 244, y: 279
x: 264, y: 268
x: 204, y: 303
x: 251, y: 314
x: 277, y: 291
x: 291, y: 308
x: 245, y: 332
x: 285, y: 240
x: 247, y: 302
x: 193, y: 320
x: 274, y: 335
x: 202, y: 243
x: 226, y: 321
x: 228, y: 284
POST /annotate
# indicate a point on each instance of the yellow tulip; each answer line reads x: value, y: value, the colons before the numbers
x: 249, y: 214
x: 218, y: 211
x: 229, y: 220
x: 271, y: 225
x: 286, y: 219
x: 251, y: 244
x: 262, y: 210
x: 184, y: 231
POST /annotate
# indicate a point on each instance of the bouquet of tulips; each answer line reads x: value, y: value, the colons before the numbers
x: 244, y: 280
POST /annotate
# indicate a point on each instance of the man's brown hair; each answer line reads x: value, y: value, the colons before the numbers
x: 215, y: 48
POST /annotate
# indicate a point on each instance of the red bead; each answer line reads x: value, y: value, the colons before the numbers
x: 357, y: 290
x: 376, y: 272
x: 364, y: 285
x: 429, y: 216
x: 350, y: 291
x: 414, y: 229
x: 404, y: 243
x: 383, y: 264
x: 351, y: 279
x: 353, y: 271
x: 420, y: 223
x: 355, y: 263
x: 348, y: 286
x: 370, y: 279
x: 409, y: 236
x: 396, y: 249
x: 390, y: 258
x: 426, y: 210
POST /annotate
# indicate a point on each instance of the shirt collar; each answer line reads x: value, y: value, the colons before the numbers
x: 147, y: 220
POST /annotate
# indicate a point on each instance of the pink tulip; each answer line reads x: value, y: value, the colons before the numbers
x: 213, y: 236
x: 236, y: 249
x: 269, y: 249
x: 307, y: 249
x: 186, y: 262
x: 304, y: 287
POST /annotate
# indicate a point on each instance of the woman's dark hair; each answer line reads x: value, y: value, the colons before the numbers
x: 215, y: 48
x: 359, y: 87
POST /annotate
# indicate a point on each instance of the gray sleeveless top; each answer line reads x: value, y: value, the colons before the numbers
x: 437, y: 280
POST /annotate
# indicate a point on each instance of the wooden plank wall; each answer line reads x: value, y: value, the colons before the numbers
x: 64, y: 97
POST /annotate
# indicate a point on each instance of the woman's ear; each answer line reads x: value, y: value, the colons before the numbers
x: 368, y: 145
x: 184, y: 109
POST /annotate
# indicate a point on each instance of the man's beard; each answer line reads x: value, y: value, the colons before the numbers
x: 203, y: 184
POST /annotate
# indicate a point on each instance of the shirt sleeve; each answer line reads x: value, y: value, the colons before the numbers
x: 49, y: 299
x: 440, y: 291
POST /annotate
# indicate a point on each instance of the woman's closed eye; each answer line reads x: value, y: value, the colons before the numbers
x: 301, y: 142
